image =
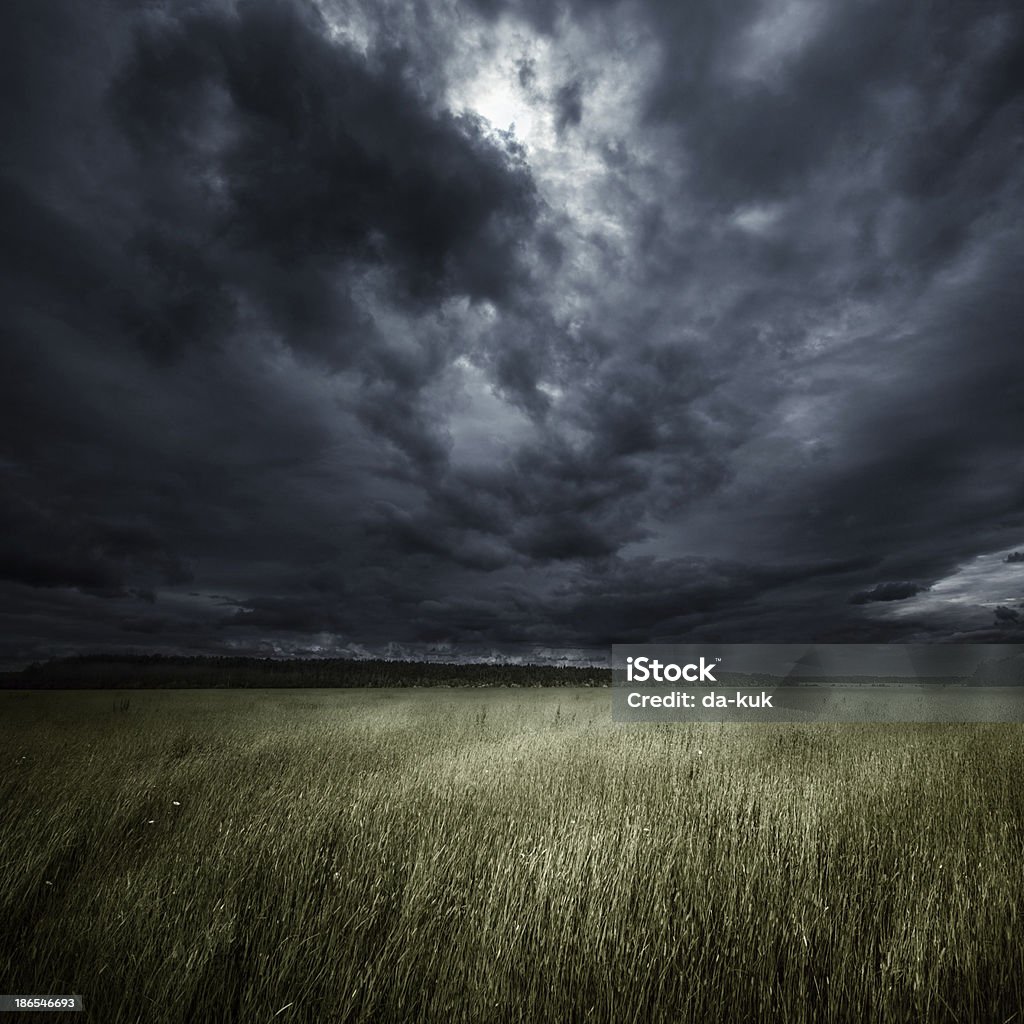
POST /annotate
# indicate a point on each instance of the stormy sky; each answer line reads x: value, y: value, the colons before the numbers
x: 457, y: 328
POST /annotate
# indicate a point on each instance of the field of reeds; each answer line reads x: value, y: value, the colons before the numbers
x: 502, y: 855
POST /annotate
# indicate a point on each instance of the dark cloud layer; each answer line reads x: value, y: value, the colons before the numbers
x: 305, y: 349
x: 897, y: 591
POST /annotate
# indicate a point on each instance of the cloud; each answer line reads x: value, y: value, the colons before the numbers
x: 43, y: 547
x: 287, y: 614
x: 526, y: 70
x: 888, y: 592
x: 287, y: 162
x: 719, y: 335
x: 568, y: 106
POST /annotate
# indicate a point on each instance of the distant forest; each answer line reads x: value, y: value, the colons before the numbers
x: 154, y: 671
x: 99, y: 672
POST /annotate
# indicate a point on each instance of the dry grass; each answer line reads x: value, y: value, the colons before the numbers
x: 442, y: 856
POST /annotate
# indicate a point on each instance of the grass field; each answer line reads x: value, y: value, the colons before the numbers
x: 503, y: 855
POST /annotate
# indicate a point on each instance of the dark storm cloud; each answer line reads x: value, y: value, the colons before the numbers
x: 57, y: 547
x: 568, y: 106
x: 298, y: 157
x: 526, y: 71
x: 300, y: 355
x: 897, y: 591
x: 286, y: 614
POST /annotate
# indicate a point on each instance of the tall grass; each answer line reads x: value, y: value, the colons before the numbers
x: 502, y: 856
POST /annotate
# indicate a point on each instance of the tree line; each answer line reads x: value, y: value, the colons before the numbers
x: 152, y: 671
